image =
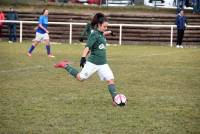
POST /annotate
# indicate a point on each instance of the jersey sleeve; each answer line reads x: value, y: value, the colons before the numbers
x: 41, y: 20
x: 91, y: 40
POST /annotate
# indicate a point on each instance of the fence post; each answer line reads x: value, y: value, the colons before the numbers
x: 171, y: 38
x: 120, y: 34
x: 20, y: 36
x: 70, y: 33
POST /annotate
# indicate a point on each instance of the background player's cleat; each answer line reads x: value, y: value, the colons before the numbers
x: 10, y: 41
x: 62, y: 64
x: 180, y: 46
x: 51, y: 56
x: 29, y: 54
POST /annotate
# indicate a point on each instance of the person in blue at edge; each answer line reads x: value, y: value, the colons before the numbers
x: 42, y: 34
x: 181, y: 23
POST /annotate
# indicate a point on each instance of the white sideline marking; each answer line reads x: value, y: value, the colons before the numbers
x: 22, y: 69
x: 160, y: 54
x: 149, y: 55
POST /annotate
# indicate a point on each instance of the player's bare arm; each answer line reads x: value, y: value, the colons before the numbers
x: 85, y: 52
x: 40, y: 25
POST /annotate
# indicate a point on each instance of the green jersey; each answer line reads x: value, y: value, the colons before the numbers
x: 97, y: 45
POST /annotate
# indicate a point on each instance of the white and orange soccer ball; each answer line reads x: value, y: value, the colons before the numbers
x: 120, y: 100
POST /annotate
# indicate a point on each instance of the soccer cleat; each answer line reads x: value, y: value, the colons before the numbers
x: 62, y: 64
x: 177, y: 46
x: 51, y: 56
x: 10, y: 41
x: 29, y: 54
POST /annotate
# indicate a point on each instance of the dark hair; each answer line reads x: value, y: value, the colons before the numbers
x: 44, y: 10
x: 99, y: 18
x: 181, y: 9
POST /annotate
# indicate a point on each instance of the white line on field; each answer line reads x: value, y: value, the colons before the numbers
x: 168, y: 53
x: 21, y: 69
x: 149, y: 55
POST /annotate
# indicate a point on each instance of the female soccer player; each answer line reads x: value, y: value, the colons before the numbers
x: 96, y: 61
x: 42, y: 34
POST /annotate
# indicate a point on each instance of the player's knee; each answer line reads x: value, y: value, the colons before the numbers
x: 35, y: 43
x: 78, y: 77
x: 47, y: 42
x: 110, y: 81
x: 82, y: 76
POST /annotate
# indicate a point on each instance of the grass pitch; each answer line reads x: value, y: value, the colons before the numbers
x: 162, y: 85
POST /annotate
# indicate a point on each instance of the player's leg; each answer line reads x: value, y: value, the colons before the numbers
x: 105, y: 73
x: 34, y: 44
x: 48, y: 46
x: 85, y: 73
x: 112, y: 88
x: 88, y: 69
x: 66, y: 65
x: 36, y: 41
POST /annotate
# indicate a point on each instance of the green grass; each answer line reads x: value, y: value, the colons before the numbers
x: 162, y: 85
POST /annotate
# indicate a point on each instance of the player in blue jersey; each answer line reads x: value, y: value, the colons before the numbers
x: 42, y: 34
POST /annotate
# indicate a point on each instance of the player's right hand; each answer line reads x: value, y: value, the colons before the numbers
x: 82, y: 62
x: 112, y: 33
x: 35, y: 28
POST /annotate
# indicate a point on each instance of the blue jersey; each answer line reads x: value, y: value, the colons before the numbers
x: 43, y: 20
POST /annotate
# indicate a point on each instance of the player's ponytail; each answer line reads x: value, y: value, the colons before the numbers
x: 44, y: 10
x: 97, y: 18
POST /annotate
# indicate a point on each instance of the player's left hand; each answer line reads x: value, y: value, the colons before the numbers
x: 82, y: 62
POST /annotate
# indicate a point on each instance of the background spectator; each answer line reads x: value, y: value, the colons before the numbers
x: 180, y: 5
x: 12, y: 15
x: 181, y: 24
x: 2, y: 17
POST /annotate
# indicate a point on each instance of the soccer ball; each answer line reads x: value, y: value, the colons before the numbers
x: 120, y: 100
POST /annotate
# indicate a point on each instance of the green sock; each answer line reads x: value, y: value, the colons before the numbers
x: 71, y: 70
x: 112, y: 90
